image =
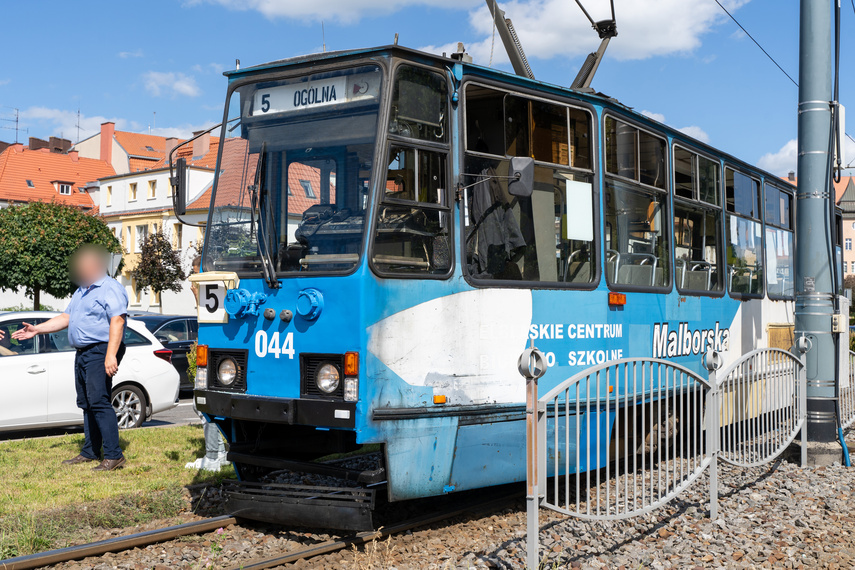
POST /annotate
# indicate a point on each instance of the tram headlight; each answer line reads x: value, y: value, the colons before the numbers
x: 327, y: 378
x: 227, y: 371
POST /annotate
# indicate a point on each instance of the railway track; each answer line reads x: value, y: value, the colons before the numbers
x: 146, y: 538
x: 117, y: 544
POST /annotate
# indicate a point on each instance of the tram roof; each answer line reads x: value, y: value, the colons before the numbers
x: 508, y: 78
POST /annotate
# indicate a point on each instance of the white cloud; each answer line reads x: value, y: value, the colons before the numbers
x: 344, y: 11
x: 44, y: 122
x: 172, y: 83
x: 786, y: 159
x: 655, y: 116
x: 783, y: 161
x: 60, y: 122
x: 126, y: 54
x: 5, y: 82
x: 557, y: 28
x: 183, y: 131
x: 693, y: 131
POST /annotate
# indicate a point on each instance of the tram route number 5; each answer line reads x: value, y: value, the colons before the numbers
x: 211, y: 299
x: 265, y: 346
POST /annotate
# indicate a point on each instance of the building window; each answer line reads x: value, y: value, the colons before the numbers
x: 845, y: 270
x: 142, y: 233
x: 148, y: 148
x: 109, y: 195
x: 31, y: 185
x: 137, y: 294
x: 65, y: 189
x: 152, y: 189
x: 177, y: 235
x: 848, y: 244
x: 128, y: 245
x: 132, y: 191
x: 307, y: 188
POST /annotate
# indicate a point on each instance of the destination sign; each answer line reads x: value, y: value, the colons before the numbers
x: 306, y: 95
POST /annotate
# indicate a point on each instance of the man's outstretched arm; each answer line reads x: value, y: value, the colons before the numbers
x: 28, y: 331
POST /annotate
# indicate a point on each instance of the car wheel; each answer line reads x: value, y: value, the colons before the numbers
x: 130, y: 405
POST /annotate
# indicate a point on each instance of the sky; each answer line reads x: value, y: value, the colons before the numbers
x: 157, y: 66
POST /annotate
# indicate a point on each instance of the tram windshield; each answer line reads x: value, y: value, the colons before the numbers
x: 292, y: 190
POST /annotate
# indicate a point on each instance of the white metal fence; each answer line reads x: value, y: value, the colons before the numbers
x: 762, y: 407
x: 847, y: 395
x: 626, y: 437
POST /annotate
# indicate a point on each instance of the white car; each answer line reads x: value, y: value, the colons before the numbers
x: 37, y: 377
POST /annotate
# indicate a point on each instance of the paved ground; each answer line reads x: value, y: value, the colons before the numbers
x: 180, y: 415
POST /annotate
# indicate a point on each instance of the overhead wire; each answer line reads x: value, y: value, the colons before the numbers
x: 772, y: 59
x: 741, y: 27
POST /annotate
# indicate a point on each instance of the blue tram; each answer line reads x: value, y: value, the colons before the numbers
x: 389, y: 228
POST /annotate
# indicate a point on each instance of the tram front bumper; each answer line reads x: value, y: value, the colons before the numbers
x: 302, y: 411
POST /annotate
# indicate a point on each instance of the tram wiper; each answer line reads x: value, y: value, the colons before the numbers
x: 257, y: 192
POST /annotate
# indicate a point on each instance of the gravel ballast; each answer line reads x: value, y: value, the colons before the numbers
x: 775, y: 516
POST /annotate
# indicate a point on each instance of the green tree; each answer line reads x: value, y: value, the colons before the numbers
x: 36, y: 243
x: 159, y: 267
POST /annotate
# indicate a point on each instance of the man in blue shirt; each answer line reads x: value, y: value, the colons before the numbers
x: 96, y: 320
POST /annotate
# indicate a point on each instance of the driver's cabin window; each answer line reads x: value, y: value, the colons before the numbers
x: 413, y: 228
x: 419, y: 105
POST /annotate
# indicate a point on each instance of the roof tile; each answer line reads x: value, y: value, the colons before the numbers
x: 42, y: 168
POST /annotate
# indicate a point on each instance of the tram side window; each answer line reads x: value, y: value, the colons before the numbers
x: 637, y: 245
x: 697, y: 223
x: 744, y: 235
x: 743, y: 194
x: 510, y: 125
x: 485, y: 122
x: 780, y: 267
x: 419, y: 105
x: 637, y: 227
x: 697, y: 235
x: 634, y: 154
x: 548, y: 237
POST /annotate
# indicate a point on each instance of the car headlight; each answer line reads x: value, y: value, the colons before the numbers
x: 201, y: 378
x: 328, y: 378
x: 227, y: 372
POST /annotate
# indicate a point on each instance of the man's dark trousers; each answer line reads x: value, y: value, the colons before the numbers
x: 94, y: 388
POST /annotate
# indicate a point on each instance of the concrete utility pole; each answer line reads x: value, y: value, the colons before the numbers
x: 815, y: 290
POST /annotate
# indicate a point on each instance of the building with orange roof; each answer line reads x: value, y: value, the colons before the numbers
x: 126, y: 152
x: 43, y: 176
x: 136, y: 204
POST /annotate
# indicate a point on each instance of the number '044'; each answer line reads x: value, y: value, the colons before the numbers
x: 265, y: 346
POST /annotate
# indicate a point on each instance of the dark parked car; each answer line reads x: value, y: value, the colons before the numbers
x: 177, y: 333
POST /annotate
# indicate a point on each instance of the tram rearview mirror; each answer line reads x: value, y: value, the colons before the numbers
x: 521, y: 174
x: 179, y: 186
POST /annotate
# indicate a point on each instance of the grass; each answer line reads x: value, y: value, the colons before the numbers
x: 44, y: 504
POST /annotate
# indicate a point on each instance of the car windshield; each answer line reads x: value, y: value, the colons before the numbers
x: 292, y: 190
